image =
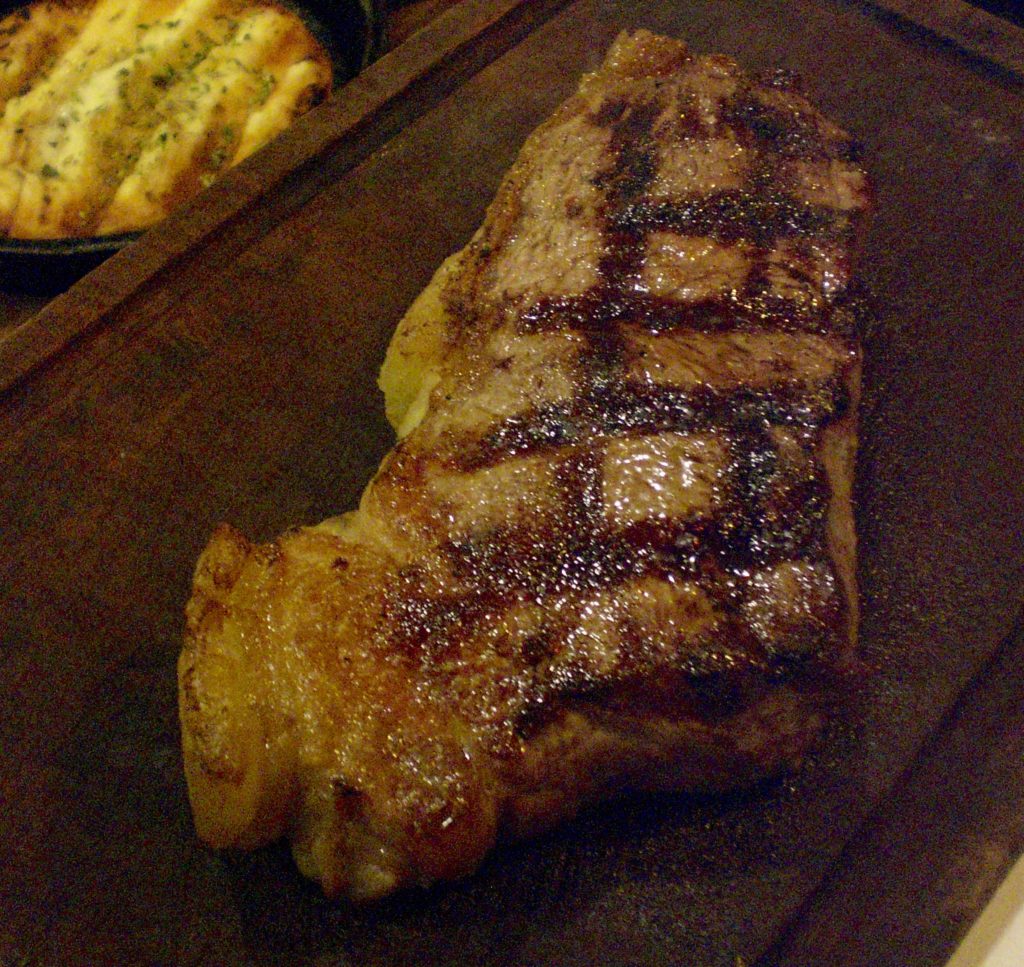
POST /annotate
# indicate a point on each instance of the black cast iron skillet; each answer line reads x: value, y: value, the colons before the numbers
x: 352, y: 33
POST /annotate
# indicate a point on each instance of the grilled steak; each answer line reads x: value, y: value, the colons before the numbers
x: 613, y: 547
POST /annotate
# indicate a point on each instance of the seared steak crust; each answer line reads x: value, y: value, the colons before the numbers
x: 613, y: 547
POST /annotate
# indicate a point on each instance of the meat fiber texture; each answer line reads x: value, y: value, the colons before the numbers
x: 613, y: 547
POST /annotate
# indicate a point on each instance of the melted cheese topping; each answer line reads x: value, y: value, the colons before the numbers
x: 112, y: 112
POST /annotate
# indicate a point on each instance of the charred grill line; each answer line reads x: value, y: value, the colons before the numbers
x: 588, y: 557
x: 749, y: 310
x: 759, y: 215
x: 536, y: 559
x: 635, y: 157
x: 772, y: 517
x: 576, y: 551
x: 622, y: 410
x: 788, y: 134
x: 581, y: 477
x: 558, y: 558
x: 735, y: 216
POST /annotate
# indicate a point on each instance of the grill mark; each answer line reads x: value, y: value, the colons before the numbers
x: 774, y: 514
x: 789, y: 133
x: 761, y: 214
x: 747, y: 311
x: 633, y: 167
x: 601, y: 358
x: 512, y: 561
x: 512, y: 564
x: 737, y: 215
x: 709, y: 682
x: 580, y: 478
x: 577, y: 552
x: 626, y: 410
x: 716, y: 677
x: 417, y: 623
x: 523, y: 563
x: 518, y: 564
x: 574, y: 554
x: 555, y: 561
x: 752, y: 308
x: 635, y: 159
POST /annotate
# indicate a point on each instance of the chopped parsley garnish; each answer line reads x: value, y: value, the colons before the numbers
x: 48, y: 171
x: 265, y: 88
x: 166, y: 77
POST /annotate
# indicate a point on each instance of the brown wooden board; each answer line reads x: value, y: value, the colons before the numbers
x: 963, y: 24
x: 226, y: 370
x: 915, y: 877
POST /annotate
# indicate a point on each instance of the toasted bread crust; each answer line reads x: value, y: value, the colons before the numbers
x: 112, y: 113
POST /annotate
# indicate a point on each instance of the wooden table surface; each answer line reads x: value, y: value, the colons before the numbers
x: 224, y: 368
